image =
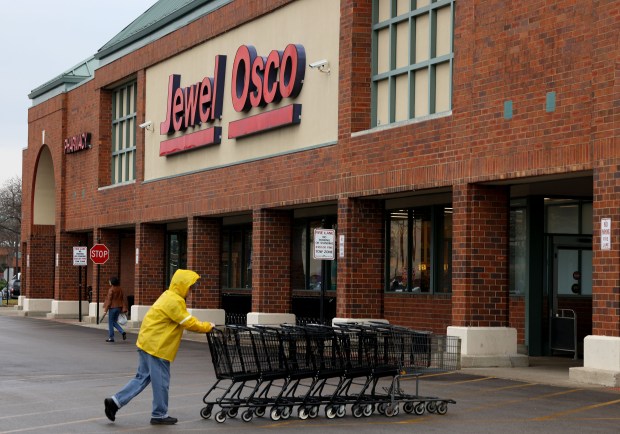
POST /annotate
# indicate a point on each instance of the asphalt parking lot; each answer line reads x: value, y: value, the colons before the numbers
x: 54, y: 377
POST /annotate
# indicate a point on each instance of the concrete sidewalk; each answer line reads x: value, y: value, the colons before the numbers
x: 542, y: 370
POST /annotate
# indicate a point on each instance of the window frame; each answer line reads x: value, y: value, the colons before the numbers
x: 123, y: 157
x: 410, y: 70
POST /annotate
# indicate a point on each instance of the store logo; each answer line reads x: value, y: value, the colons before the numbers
x: 77, y: 143
x: 257, y: 81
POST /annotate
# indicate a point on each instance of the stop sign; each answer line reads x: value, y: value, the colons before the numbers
x: 99, y: 254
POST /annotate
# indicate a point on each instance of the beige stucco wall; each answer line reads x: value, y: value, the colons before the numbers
x: 311, y: 23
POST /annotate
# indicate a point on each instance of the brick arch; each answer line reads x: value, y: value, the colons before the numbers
x: 44, y: 192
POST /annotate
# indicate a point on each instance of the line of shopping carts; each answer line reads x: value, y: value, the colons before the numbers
x: 280, y: 369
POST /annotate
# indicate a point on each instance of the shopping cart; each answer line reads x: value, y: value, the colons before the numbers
x: 314, y: 366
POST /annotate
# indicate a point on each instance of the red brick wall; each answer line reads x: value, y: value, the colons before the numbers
x: 515, y: 51
x: 39, y: 281
x: 480, y: 256
x: 360, y: 272
x: 420, y: 312
x: 150, y: 271
x: 271, y: 261
x: 203, y: 256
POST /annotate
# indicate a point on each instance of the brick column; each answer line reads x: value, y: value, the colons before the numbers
x: 39, y: 282
x: 361, y: 271
x: 151, y: 269
x: 66, y: 285
x: 203, y: 256
x: 480, y: 256
x: 606, y: 263
x: 271, y: 261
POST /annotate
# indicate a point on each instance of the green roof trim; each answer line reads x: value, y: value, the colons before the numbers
x: 156, y: 18
x: 79, y: 73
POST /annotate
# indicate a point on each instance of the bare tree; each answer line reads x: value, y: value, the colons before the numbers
x: 11, y: 214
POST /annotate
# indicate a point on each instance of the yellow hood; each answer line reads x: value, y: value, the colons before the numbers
x: 182, y: 281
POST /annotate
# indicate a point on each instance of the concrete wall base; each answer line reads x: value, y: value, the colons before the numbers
x: 511, y: 361
x: 66, y: 309
x: 486, y: 347
x: 359, y: 320
x: 601, y: 361
x: 36, y: 306
x: 259, y: 318
x: 215, y: 316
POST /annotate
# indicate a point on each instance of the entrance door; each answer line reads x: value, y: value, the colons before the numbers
x: 570, y: 293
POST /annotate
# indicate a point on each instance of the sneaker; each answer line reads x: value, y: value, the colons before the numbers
x: 109, y: 340
x: 164, y: 420
x: 124, y: 336
x: 110, y: 408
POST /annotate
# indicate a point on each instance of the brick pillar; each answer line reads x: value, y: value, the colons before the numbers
x: 271, y: 261
x: 39, y: 282
x: 151, y: 268
x: 480, y: 256
x: 66, y: 276
x: 606, y: 263
x: 361, y: 271
x: 203, y: 256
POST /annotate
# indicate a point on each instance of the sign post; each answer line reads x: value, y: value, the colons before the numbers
x: 99, y: 254
x: 325, y: 250
x: 80, y: 255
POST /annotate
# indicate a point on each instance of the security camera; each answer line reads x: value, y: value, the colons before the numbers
x: 319, y: 64
x: 147, y: 125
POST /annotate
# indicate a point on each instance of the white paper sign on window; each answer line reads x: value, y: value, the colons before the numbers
x: 606, y: 234
x: 324, y: 241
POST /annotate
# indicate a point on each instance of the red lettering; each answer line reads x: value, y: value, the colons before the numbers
x: 257, y: 81
x: 271, y: 90
x: 177, y: 109
x: 174, y: 82
x: 205, y: 99
x: 256, y: 97
x: 191, y: 104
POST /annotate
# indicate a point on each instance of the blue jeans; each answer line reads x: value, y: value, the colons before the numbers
x: 150, y: 370
x: 113, y: 314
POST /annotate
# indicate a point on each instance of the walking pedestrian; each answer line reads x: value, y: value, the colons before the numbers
x: 115, y: 303
x: 158, y: 342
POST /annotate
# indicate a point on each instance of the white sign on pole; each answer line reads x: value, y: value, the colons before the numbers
x: 341, y: 246
x: 606, y: 234
x: 80, y: 256
x: 324, y: 244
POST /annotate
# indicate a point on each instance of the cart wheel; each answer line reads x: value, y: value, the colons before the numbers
x: 205, y: 413
x: 341, y: 411
x: 275, y: 414
x: 247, y: 415
x: 431, y: 406
x: 381, y: 408
x: 259, y: 411
x: 408, y: 407
x: 357, y: 411
x: 330, y: 412
x: 419, y: 408
x: 389, y: 411
x: 285, y: 412
x: 442, y: 408
x: 368, y: 410
x: 314, y: 412
x: 302, y: 412
x: 232, y: 412
x: 220, y: 416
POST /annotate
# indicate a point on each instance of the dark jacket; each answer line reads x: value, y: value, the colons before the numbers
x: 115, y: 298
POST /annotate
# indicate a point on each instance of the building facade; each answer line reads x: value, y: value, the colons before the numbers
x: 445, y: 165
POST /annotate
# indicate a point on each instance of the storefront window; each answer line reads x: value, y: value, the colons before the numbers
x: 176, y: 252
x: 413, y: 264
x: 518, y: 251
x: 306, y: 272
x: 236, y: 258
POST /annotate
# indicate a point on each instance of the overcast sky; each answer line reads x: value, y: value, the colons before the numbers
x: 41, y: 39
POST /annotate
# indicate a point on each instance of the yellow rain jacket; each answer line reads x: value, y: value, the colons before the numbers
x: 162, y: 328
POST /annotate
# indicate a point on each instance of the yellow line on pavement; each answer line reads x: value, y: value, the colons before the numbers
x: 575, y: 410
